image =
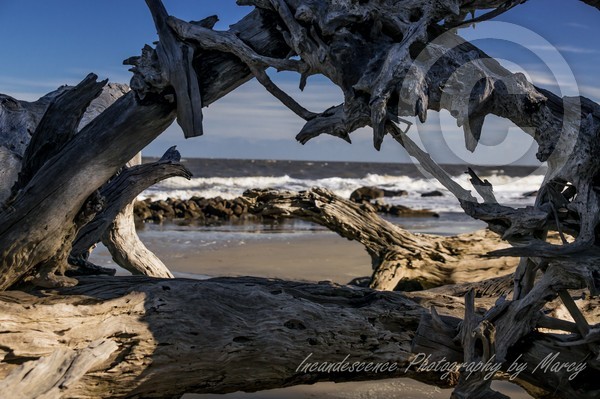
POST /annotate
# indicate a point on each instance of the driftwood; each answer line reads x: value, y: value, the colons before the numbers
x: 121, y: 238
x: 424, y: 67
x: 143, y: 337
x: 120, y: 193
x: 390, y: 59
x: 98, y: 151
x: 401, y: 260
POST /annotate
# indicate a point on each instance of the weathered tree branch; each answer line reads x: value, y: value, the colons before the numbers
x: 401, y: 260
x: 18, y: 121
x: 60, y: 188
x: 57, y: 127
x: 124, y: 245
x: 175, y: 59
x: 119, y: 193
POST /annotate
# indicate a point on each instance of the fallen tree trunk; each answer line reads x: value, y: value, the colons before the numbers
x: 141, y: 337
x: 401, y: 260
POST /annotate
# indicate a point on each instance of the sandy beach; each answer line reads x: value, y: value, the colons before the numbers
x: 319, y: 256
x: 384, y: 389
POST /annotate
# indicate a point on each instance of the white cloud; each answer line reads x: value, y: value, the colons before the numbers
x: 250, y: 111
x: 28, y: 89
x: 563, y: 49
x: 577, y: 25
x: 592, y: 92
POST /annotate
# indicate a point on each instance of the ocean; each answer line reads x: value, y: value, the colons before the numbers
x: 229, y: 178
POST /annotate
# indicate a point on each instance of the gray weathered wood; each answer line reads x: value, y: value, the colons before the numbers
x: 57, y: 127
x: 401, y: 260
x: 18, y: 121
x: 119, y: 193
x: 166, y: 337
x: 175, y: 59
x: 390, y: 60
x: 62, y: 185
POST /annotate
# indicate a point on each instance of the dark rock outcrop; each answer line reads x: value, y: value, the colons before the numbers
x: 210, y: 211
x: 395, y: 193
x: 196, y: 209
x: 371, y: 197
x: 404, y: 211
x: 366, y: 194
x: 435, y: 193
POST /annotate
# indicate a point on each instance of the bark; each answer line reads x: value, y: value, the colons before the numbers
x: 120, y: 193
x: 18, y: 121
x: 140, y: 337
x: 61, y: 187
x: 57, y: 127
x: 176, y: 65
x: 401, y: 260
x: 124, y: 245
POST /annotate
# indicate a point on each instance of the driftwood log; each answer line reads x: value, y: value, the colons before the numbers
x: 401, y: 260
x: 391, y: 60
x: 140, y: 337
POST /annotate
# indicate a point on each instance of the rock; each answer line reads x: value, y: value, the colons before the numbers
x: 237, y: 209
x: 142, y: 211
x: 530, y: 194
x: 193, y: 211
x: 366, y: 194
x: 404, y: 211
x: 217, y: 209
x: 163, y: 208
x: 180, y: 208
x: 395, y: 193
x: 435, y: 193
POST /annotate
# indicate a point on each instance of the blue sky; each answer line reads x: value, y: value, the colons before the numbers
x: 50, y: 43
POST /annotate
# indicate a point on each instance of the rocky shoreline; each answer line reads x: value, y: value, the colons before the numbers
x: 196, y: 209
x: 210, y: 211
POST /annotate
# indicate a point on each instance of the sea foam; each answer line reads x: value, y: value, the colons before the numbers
x: 509, y: 190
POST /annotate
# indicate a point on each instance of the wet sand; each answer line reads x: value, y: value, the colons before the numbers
x: 316, y: 256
